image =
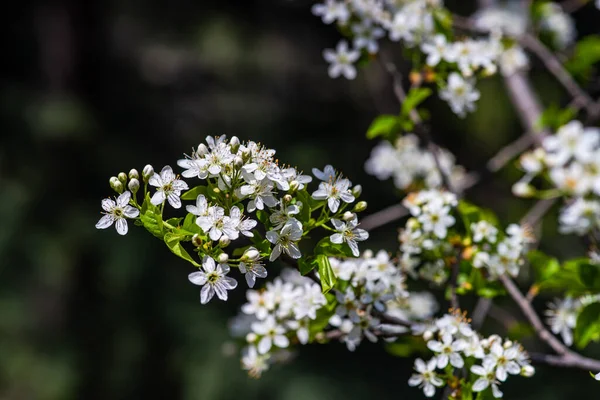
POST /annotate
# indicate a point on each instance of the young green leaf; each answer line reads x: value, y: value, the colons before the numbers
x: 173, y: 243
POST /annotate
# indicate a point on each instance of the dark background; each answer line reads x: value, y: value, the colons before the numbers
x: 92, y: 88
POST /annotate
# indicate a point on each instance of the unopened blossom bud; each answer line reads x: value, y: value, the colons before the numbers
x: 527, y: 371
x: 196, y: 240
x: 122, y: 177
x: 415, y: 78
x: 223, y: 258
x: 427, y: 335
x: 202, y: 149
x: 246, y: 153
x: 368, y: 253
x: 133, y: 174
x: 251, y: 254
x: 357, y: 190
x: 251, y: 337
x: 147, y: 172
x: 507, y: 344
x: 224, y: 241
x: 287, y: 198
x: 360, y: 206
x: 238, y: 162
x: 523, y: 189
x: 133, y: 185
x: 118, y: 186
x: 490, y: 69
x: 348, y: 216
x: 234, y: 142
x: 294, y: 185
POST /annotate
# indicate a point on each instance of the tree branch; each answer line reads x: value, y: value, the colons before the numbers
x: 566, y: 357
x: 580, y: 97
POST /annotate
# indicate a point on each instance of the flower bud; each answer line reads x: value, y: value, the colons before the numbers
x: 251, y: 254
x: 122, y: 177
x: 133, y: 185
x: 147, y: 172
x: 348, y: 216
x: 202, y: 149
x: 527, y: 371
x: 507, y: 344
x: 224, y: 241
x: 238, y: 162
x: 196, y: 240
x: 223, y: 258
x: 287, y: 198
x: 357, y: 190
x: 427, y: 335
x: 118, y: 187
x: 133, y: 174
x: 360, y: 206
x: 246, y: 153
x: 294, y: 185
x: 523, y: 189
x: 251, y: 337
x: 234, y: 142
x: 116, y: 184
x: 112, y: 181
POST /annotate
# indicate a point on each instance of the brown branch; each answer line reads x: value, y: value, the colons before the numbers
x: 537, y: 212
x: 509, y: 152
x: 580, y: 97
x: 566, y: 357
x: 570, y: 6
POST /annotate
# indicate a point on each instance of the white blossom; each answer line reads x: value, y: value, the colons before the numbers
x: 460, y: 94
x: 116, y: 212
x: 334, y: 191
x: 286, y: 240
x: 213, y: 280
x: 426, y: 377
x: 341, y: 61
x: 168, y: 187
x: 349, y: 233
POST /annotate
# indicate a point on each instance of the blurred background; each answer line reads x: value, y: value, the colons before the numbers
x: 92, y: 88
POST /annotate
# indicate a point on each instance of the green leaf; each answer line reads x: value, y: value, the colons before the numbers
x: 326, y: 273
x: 263, y: 217
x: 543, y: 265
x: 262, y: 245
x: 414, y: 97
x: 304, y: 197
x: 471, y: 213
x: 586, y: 54
x: 305, y: 265
x: 151, y: 218
x: 384, y: 125
x: 173, y: 243
x: 323, y: 315
x: 189, y: 224
x: 554, y: 117
x: 193, y: 193
x: 588, y: 325
x: 406, y: 346
x: 589, y: 275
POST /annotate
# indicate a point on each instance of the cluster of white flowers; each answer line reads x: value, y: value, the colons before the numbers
x: 572, y: 159
x: 368, y: 283
x: 274, y: 317
x: 238, y: 179
x: 412, y: 22
x: 562, y: 315
x: 453, y: 341
x: 369, y: 20
x: 423, y: 241
x: 558, y: 24
x: 411, y: 166
x: 499, y: 257
x: 502, y: 20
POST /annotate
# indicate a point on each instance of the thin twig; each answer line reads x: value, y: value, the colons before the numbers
x: 537, y: 212
x: 566, y: 357
x: 509, y: 152
x: 580, y: 97
x: 480, y: 311
x: 570, y: 6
